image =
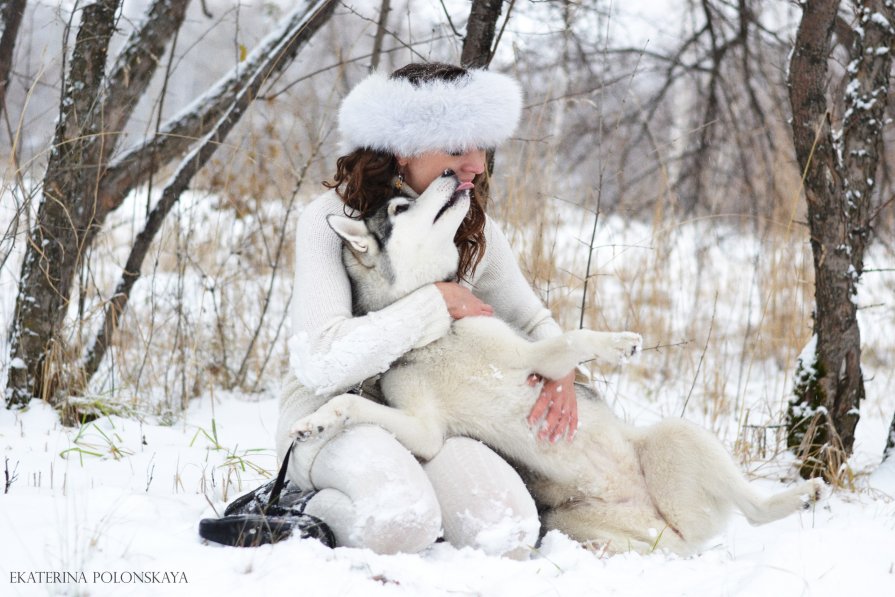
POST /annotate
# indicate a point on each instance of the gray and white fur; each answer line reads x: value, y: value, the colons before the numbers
x: 669, y: 486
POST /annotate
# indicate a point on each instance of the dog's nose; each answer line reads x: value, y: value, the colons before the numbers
x: 448, y: 172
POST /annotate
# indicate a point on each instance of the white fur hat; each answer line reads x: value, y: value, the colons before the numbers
x: 479, y: 110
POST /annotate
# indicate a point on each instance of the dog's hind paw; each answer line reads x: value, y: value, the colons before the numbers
x: 304, y: 431
x: 815, y: 490
x: 621, y: 347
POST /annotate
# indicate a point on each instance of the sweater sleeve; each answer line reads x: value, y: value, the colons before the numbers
x: 330, y: 349
x: 502, y: 285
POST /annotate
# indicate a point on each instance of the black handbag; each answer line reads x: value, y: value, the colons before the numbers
x: 271, y: 513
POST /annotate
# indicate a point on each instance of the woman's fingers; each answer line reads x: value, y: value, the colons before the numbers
x: 461, y: 302
x: 541, y: 404
x: 559, y: 407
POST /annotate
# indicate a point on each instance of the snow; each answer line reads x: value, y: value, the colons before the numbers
x: 138, y: 512
x: 881, y: 20
x: 807, y: 359
x: 119, y: 499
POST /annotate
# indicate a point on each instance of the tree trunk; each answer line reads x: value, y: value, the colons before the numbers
x: 55, y: 248
x: 839, y: 179
x: 81, y: 189
x: 11, y: 13
x: 384, y: 9
x: 477, y: 49
x: 480, y: 30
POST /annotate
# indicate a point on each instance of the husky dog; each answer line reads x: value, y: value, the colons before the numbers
x: 669, y: 486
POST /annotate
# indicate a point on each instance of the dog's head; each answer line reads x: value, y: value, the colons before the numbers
x: 405, y: 244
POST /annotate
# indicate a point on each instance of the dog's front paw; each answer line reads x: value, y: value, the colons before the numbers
x: 814, y: 491
x: 325, y: 421
x: 621, y: 347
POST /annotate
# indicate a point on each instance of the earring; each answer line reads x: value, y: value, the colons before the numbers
x: 399, y: 181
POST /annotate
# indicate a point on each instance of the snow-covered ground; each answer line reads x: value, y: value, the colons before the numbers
x: 124, y: 494
x: 135, y: 507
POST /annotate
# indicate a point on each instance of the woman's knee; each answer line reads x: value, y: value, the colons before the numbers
x: 393, y: 507
x: 296, y: 402
x: 380, y: 532
x: 484, y: 502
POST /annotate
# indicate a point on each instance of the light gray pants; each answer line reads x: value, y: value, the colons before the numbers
x: 375, y: 494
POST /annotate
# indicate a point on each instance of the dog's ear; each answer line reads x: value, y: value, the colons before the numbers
x: 354, y: 233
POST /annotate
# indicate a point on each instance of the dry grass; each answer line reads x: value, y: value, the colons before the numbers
x: 720, y: 344
x: 723, y: 301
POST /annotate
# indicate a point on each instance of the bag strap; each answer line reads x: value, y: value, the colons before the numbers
x: 274, y: 498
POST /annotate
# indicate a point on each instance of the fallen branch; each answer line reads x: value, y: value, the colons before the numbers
x: 10, y: 478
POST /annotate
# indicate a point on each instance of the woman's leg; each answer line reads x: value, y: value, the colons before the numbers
x: 373, y: 493
x: 484, y: 502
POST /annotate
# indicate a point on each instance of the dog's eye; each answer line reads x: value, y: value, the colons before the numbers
x: 397, y: 208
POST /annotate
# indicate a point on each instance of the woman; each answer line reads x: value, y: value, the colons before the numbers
x: 401, y: 132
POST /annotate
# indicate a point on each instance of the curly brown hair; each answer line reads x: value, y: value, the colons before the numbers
x: 364, y: 178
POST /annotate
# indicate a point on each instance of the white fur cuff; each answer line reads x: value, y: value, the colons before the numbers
x: 393, y: 115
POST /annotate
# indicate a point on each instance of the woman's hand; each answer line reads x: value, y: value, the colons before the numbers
x: 558, y: 401
x: 461, y: 302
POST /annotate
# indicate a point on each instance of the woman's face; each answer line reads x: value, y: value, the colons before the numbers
x: 421, y: 170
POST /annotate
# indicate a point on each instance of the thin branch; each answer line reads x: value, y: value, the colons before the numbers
x: 136, y: 64
x: 449, y: 20
x: 10, y: 477
x: 500, y: 33
x: 340, y: 64
x: 590, y: 253
x: 384, y: 9
x: 243, y: 367
x: 701, y: 356
x: 659, y: 347
x: 406, y: 45
x: 879, y: 209
x: 181, y: 131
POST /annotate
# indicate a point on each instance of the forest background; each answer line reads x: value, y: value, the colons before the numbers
x: 655, y: 184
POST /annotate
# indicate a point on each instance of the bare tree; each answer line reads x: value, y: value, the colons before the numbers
x: 480, y: 43
x: 840, y: 169
x: 83, y: 184
x: 11, y: 13
x: 481, y: 29
x: 384, y: 9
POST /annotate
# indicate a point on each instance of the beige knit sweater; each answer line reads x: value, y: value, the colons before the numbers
x: 331, y: 350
